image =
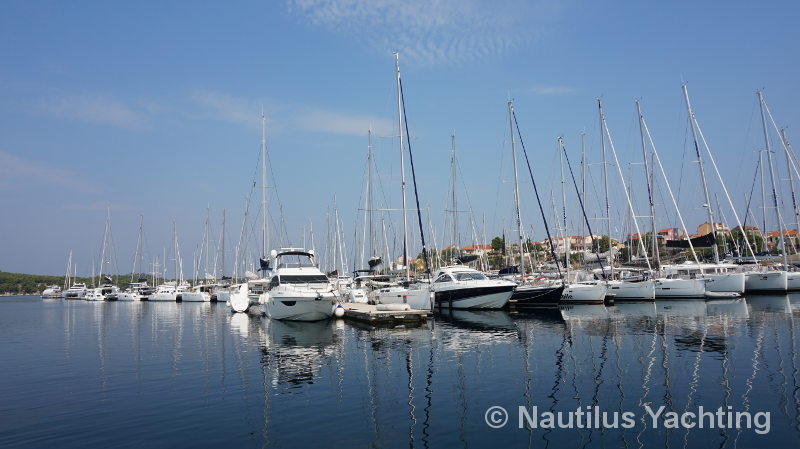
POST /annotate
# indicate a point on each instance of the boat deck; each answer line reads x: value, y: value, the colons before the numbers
x: 369, y: 313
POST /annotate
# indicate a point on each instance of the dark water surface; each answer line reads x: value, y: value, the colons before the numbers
x: 76, y: 374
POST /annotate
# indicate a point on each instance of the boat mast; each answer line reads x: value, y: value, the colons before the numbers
x: 137, y: 255
x: 456, y: 243
x: 103, y: 250
x: 772, y: 180
x: 649, y: 176
x: 564, y: 206
x: 707, y: 205
x: 605, y: 187
x: 402, y: 165
x: 516, y: 193
x: 222, y: 246
x: 583, y: 196
x: 264, y: 224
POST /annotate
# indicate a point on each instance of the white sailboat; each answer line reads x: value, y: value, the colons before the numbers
x: 416, y: 294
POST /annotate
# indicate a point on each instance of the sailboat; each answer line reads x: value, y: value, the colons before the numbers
x: 138, y: 290
x: 669, y: 287
x: 106, y: 291
x: 719, y: 277
x: 416, y: 294
x: 527, y: 294
x: 248, y: 293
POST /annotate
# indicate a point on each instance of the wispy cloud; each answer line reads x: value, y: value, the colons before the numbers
x: 226, y: 107
x: 433, y: 31
x: 100, y: 109
x: 16, y: 171
x: 551, y: 90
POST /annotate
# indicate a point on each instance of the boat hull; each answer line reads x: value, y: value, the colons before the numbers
x: 488, y: 297
x: 730, y: 282
x: 793, y: 281
x: 299, y: 307
x: 766, y: 281
x: 195, y: 297
x: 163, y: 297
x: 418, y: 299
x: 680, y: 288
x: 584, y: 294
x: 632, y: 291
x: 239, y: 300
x: 527, y: 296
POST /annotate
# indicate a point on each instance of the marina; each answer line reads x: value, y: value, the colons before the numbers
x: 399, y: 224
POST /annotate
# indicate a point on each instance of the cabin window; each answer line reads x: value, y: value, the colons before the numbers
x: 470, y: 276
x: 301, y: 279
x: 443, y: 278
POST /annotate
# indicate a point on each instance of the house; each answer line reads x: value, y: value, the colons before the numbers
x: 707, y: 228
x: 671, y: 234
x: 477, y: 250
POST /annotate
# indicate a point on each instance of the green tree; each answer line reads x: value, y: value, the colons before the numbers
x: 498, y: 244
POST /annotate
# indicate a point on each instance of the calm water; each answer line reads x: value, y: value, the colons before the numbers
x: 87, y: 374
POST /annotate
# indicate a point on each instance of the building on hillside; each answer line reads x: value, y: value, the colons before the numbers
x: 707, y: 228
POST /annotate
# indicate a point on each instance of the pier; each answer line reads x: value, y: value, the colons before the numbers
x: 368, y: 313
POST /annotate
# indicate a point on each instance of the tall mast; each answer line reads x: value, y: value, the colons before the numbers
x: 605, y: 187
x: 402, y: 165
x: 103, y: 250
x: 564, y: 206
x: 583, y: 196
x: 707, y: 205
x: 456, y: 243
x: 649, y: 172
x: 772, y: 180
x: 369, y: 195
x: 264, y: 224
x: 222, y: 246
x: 516, y: 193
x: 137, y: 255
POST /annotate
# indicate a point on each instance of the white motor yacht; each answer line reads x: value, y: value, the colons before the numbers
x: 51, y: 292
x: 168, y: 292
x: 461, y: 287
x: 137, y: 291
x: 77, y: 291
x: 297, y: 290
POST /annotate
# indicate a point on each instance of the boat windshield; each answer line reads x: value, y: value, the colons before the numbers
x: 303, y: 279
x: 469, y: 276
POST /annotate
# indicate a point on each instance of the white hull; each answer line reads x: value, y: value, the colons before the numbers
x: 584, y: 294
x: 766, y: 281
x: 680, y: 288
x: 730, y: 282
x: 419, y: 299
x: 632, y: 290
x: 793, y: 280
x: 125, y: 296
x: 195, y: 297
x: 299, y: 307
x: 490, y: 301
x: 171, y: 297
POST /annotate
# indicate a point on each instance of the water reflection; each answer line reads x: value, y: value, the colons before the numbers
x: 172, y: 368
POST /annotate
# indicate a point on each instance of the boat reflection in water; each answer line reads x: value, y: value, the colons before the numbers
x: 294, y: 352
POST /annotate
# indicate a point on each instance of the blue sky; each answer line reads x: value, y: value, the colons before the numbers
x: 154, y: 108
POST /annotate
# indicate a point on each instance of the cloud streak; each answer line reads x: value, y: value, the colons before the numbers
x: 225, y: 107
x: 433, y: 31
x: 17, y: 171
x: 98, y: 109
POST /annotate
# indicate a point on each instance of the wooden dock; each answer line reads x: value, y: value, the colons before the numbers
x: 368, y: 313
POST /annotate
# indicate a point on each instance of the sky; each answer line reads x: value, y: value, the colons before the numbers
x: 152, y: 110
